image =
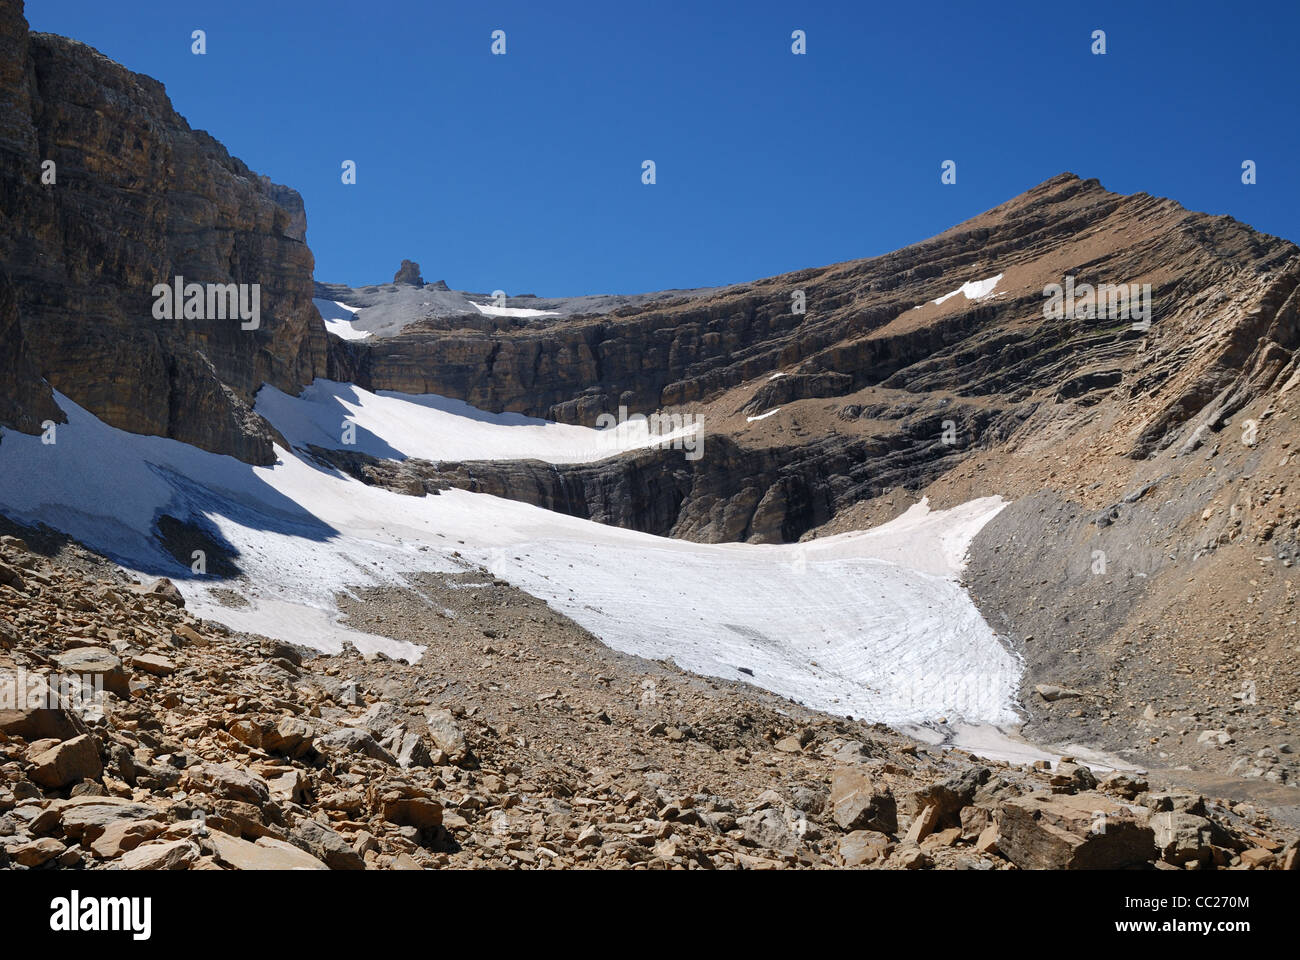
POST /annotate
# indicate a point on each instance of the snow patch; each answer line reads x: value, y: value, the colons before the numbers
x: 338, y: 319
x: 972, y: 290
x: 494, y: 311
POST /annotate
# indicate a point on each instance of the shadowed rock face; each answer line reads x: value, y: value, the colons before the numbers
x: 25, y: 399
x: 731, y: 493
x: 138, y: 199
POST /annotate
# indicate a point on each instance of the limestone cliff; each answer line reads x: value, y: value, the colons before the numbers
x: 137, y: 198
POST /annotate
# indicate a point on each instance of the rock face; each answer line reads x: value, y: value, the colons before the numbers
x: 409, y: 272
x: 857, y: 328
x: 137, y: 198
x: 880, y: 367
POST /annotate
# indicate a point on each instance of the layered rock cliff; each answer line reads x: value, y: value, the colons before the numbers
x: 891, y: 377
x: 105, y: 191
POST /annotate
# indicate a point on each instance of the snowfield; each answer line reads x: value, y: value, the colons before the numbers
x: 492, y: 310
x: 872, y: 624
x: 429, y: 427
x: 338, y: 319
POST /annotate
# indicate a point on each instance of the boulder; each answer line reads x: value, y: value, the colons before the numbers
x: 858, y: 803
x: 447, y: 735
x: 290, y: 736
x: 1183, y: 837
x: 227, y: 781
x: 34, y: 853
x: 864, y: 846
x: 69, y: 762
x: 164, y: 590
x: 355, y: 740
x: 123, y: 836
x: 163, y: 855
x: 97, y: 663
x: 11, y: 577
x: 948, y: 796
x: 923, y: 824
x: 412, y: 752
x: 1082, y: 831
x: 326, y: 845
x: 87, y: 818
x: 154, y: 663
x: 30, y: 709
x: 770, y: 829
x: 266, y: 854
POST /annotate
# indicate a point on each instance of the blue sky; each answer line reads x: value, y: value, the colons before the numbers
x: 523, y: 172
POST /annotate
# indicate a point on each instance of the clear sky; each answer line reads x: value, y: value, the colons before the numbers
x: 523, y: 172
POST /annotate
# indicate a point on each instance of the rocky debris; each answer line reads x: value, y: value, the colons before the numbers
x: 249, y: 755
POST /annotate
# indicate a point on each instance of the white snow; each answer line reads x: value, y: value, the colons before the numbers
x: 430, y: 427
x: 763, y: 416
x: 494, y: 311
x: 972, y: 290
x: 338, y: 319
x: 872, y: 624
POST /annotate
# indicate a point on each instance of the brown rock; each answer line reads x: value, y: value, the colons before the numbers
x: 1083, y: 831
x: 266, y: 854
x: 290, y: 736
x: 37, y: 852
x: 97, y: 663
x: 87, y: 818
x: 154, y: 663
x: 165, y: 855
x: 164, y: 590
x: 923, y: 825
x: 69, y: 762
x: 858, y: 803
x: 124, y: 835
x: 228, y: 781
x: 327, y: 845
x: 864, y: 846
x: 447, y: 735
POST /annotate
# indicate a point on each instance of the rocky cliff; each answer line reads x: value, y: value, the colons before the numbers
x: 858, y: 322
x: 892, y: 376
x: 106, y: 191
